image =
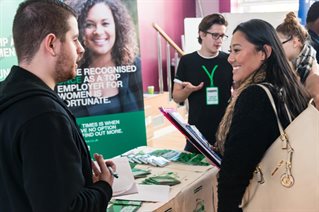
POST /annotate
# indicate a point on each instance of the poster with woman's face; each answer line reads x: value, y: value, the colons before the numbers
x: 106, y: 96
x: 108, y: 79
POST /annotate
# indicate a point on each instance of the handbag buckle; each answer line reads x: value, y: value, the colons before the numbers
x: 277, y: 167
x: 259, y: 175
x: 284, y: 139
x: 287, y: 180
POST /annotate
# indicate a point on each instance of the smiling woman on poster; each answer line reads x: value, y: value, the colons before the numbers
x: 110, y: 70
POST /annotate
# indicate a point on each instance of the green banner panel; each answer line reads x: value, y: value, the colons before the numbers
x: 113, y: 135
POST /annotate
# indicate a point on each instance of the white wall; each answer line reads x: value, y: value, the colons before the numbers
x: 191, y: 27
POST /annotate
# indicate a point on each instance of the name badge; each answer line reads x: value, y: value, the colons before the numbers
x: 212, y: 96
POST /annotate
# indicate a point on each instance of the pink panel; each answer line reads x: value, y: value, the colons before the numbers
x: 169, y: 15
x: 224, y: 6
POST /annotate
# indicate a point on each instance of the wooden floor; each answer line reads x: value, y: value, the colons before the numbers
x: 160, y: 132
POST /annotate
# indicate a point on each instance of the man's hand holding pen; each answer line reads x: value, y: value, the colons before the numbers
x: 103, y: 170
x: 113, y: 173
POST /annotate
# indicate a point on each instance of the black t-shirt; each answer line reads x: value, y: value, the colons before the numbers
x: 206, y: 117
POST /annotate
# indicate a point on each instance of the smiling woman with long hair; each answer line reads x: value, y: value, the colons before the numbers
x: 249, y: 125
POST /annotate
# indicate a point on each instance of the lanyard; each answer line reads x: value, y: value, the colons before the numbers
x: 210, y: 75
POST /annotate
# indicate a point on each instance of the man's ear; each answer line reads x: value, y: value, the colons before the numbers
x: 50, y: 42
x: 201, y: 34
x: 268, y: 51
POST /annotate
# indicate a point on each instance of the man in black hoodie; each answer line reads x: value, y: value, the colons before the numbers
x: 45, y: 164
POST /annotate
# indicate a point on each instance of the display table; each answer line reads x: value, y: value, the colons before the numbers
x: 194, y: 193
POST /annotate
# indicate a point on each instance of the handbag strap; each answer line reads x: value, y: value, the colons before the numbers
x: 283, y: 135
x: 287, y: 179
x: 271, y: 99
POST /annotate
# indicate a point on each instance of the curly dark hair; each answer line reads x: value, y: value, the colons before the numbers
x: 125, y: 47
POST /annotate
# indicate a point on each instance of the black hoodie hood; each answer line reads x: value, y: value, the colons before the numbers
x: 21, y: 84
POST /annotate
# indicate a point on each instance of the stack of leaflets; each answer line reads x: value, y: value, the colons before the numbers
x: 140, y: 173
x: 192, y: 159
x: 161, y: 180
x: 141, y: 158
x: 124, y: 205
x: 192, y: 134
x: 171, y: 155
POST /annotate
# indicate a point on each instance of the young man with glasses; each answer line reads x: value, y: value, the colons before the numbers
x: 204, y: 77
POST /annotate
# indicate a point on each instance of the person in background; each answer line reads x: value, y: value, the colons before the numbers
x: 312, y: 24
x: 204, y: 78
x: 302, y: 56
x: 45, y: 164
x: 249, y: 125
x: 108, y: 35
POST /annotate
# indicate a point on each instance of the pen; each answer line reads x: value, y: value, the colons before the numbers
x: 112, y: 172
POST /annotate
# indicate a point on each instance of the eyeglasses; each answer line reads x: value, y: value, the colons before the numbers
x: 216, y: 36
x: 289, y: 39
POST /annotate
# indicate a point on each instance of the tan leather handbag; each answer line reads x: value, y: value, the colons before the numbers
x: 287, y: 178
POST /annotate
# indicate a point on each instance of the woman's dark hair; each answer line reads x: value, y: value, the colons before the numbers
x: 313, y: 12
x: 125, y: 47
x: 276, y: 66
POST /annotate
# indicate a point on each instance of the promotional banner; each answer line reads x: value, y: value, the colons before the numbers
x: 106, y: 96
x: 7, y: 52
